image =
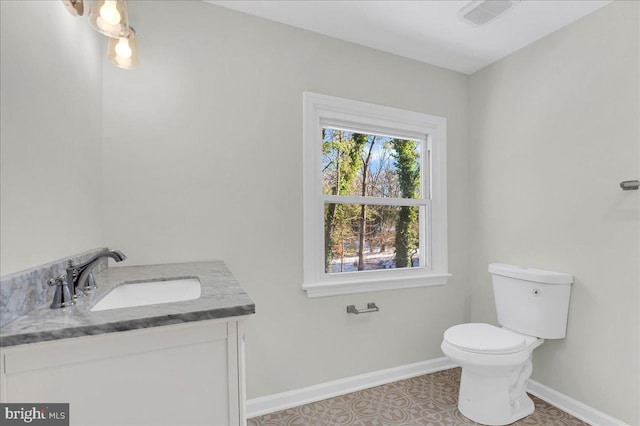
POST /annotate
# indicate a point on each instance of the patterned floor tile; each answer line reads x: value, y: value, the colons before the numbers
x: 430, y: 400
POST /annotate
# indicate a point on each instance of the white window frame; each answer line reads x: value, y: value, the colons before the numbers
x: 326, y: 111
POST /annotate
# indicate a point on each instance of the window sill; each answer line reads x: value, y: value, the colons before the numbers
x: 339, y: 285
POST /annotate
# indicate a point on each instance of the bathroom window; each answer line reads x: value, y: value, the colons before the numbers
x: 374, y: 197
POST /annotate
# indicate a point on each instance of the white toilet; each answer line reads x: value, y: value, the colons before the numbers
x: 532, y: 305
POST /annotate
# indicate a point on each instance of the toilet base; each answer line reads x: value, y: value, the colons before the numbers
x: 526, y: 409
x: 495, y: 399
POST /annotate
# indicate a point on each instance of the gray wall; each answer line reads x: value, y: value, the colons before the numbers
x: 51, y: 116
x: 554, y: 129
x: 202, y: 159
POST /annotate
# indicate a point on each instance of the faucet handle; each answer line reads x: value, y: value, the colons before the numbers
x: 90, y: 285
x: 59, y: 280
x: 62, y: 297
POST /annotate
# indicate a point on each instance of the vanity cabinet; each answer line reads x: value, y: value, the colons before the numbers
x: 184, y: 374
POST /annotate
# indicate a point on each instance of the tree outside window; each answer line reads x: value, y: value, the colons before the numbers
x: 361, y: 236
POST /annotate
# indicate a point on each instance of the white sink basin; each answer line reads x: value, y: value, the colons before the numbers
x: 149, y: 293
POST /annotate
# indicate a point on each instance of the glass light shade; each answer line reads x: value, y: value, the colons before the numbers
x: 123, y: 51
x: 109, y: 17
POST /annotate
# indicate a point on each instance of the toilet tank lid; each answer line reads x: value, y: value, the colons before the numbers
x: 530, y: 274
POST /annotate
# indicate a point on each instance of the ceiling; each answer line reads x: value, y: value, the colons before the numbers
x: 429, y: 30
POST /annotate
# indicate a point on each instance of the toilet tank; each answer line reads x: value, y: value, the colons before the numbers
x: 531, y: 301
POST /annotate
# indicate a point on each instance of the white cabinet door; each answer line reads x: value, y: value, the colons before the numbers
x: 185, y: 374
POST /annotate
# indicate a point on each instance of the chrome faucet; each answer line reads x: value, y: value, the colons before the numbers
x: 80, y: 277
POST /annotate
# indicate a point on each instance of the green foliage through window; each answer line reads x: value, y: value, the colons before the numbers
x: 359, y: 236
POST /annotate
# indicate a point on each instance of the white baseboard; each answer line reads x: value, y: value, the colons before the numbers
x: 282, y: 401
x: 569, y: 405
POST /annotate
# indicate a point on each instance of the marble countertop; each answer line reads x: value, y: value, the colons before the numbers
x: 221, y: 297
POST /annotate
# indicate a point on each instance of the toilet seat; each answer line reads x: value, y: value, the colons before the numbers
x: 486, y: 339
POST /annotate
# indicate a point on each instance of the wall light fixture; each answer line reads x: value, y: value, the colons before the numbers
x: 75, y: 7
x: 109, y: 17
x: 123, y: 51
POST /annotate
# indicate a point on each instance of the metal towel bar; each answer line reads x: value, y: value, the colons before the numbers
x: 628, y: 185
x: 371, y: 307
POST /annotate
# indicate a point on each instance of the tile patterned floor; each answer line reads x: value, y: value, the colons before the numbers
x: 421, y: 401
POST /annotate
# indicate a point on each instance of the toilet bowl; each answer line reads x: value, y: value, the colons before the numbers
x: 496, y: 363
x: 532, y: 305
